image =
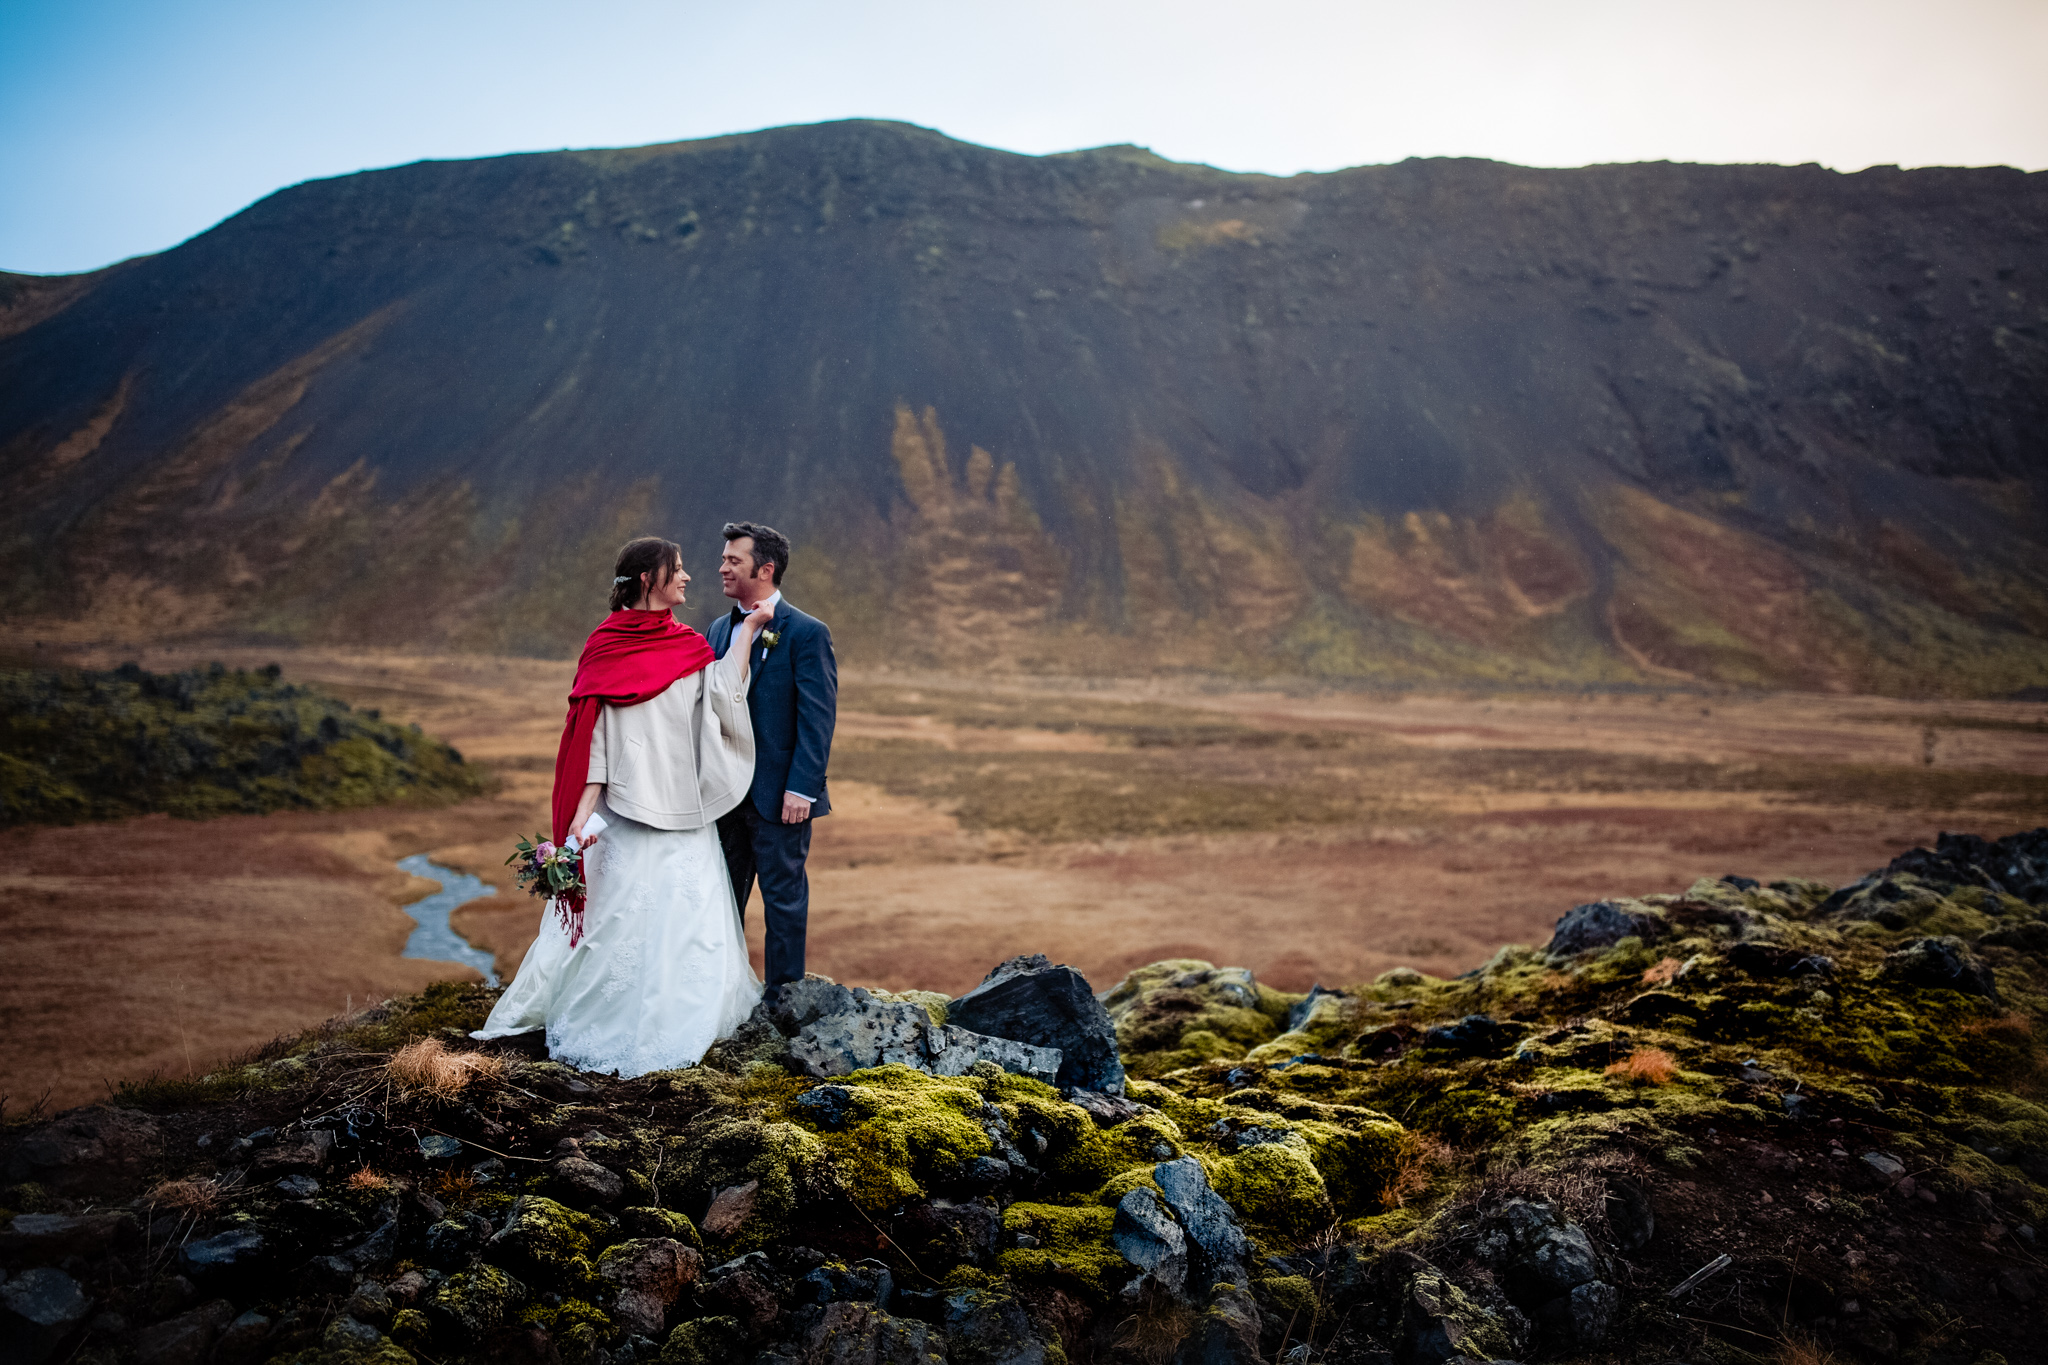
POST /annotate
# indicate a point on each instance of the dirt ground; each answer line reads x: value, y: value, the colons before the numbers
x: 1310, y: 836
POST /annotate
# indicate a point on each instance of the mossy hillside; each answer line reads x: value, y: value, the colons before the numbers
x: 78, y: 745
x: 1382, y: 1126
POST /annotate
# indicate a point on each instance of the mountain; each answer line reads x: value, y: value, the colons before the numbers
x: 1444, y: 420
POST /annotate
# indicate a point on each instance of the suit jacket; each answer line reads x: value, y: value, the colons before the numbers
x: 794, y: 703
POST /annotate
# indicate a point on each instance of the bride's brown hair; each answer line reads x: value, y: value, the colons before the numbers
x: 648, y: 555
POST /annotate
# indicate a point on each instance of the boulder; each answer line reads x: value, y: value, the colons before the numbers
x: 40, y: 1309
x: 243, y: 1340
x: 949, y: 1232
x: 48, y: 1237
x: 1601, y: 924
x: 1476, y: 1035
x: 474, y: 1303
x: 1551, y: 1271
x: 860, y: 1334
x: 834, y: 1031
x: 989, y: 1327
x: 1107, y: 1110
x: 1298, y: 1013
x: 713, y: 1340
x: 1228, y: 1333
x: 1218, y: 1249
x: 183, y: 1340
x: 1770, y: 960
x: 1941, y: 964
x: 868, y: 1282
x: 647, y: 1275
x: 97, y: 1150
x: 454, y: 1242
x: 748, y: 1294
x: 584, y: 1183
x: 1442, y: 1323
x: 543, y: 1241
x: 1033, y: 1001
x: 1147, y: 1236
x: 233, y: 1257
x: 730, y: 1209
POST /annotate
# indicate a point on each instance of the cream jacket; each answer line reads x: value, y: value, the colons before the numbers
x: 683, y: 758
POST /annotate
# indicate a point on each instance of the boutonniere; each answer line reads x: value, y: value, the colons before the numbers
x: 770, y: 639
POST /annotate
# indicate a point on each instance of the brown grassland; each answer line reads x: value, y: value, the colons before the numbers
x: 1313, y: 836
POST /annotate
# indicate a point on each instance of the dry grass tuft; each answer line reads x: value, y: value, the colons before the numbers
x: 426, y: 1066
x: 1664, y: 973
x: 1798, y: 1349
x: 1646, y: 1066
x: 1153, y: 1334
x: 454, y: 1186
x: 366, y: 1179
x: 188, y: 1196
x: 1420, y: 1157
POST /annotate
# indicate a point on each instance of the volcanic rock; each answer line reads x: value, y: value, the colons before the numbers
x: 648, y: 1275
x: 989, y: 1327
x: 1601, y: 924
x: 1147, y: 1236
x: 860, y: 1334
x: 87, y: 1151
x: 49, y: 1237
x: 183, y: 1340
x: 837, y: 1031
x: 1218, y: 1249
x: 1032, y: 1001
x: 39, y: 1310
x: 1941, y: 963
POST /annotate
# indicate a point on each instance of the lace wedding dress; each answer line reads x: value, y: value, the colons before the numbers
x: 662, y: 971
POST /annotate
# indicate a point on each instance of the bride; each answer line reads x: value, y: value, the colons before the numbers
x: 653, y: 969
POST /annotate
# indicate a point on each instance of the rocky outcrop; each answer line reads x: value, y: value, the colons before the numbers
x: 1031, y: 1000
x: 1554, y: 1156
x: 834, y: 1031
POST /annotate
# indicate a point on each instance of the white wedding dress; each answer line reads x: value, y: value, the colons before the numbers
x: 662, y: 970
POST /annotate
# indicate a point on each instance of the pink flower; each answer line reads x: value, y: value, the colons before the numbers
x: 544, y: 852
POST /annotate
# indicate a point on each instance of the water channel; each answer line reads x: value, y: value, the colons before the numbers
x: 434, y: 938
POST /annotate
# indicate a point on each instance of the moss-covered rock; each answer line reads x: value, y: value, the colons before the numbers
x: 1064, y: 1246
x: 473, y: 1303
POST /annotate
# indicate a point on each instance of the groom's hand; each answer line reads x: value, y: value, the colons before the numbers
x: 795, y: 810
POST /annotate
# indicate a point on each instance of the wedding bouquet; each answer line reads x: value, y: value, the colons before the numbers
x: 554, y: 872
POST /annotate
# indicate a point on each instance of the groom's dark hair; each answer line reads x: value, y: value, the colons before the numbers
x: 769, y: 545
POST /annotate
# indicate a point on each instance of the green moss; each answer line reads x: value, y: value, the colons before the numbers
x: 934, y: 1003
x: 1293, y: 1295
x: 1358, y: 1162
x: 1073, y: 1247
x: 551, y: 1243
x: 786, y: 1162
x: 1276, y: 1188
x: 474, y: 1302
x: 908, y: 1130
x: 706, y: 1341
x: 673, y: 1224
x: 80, y: 745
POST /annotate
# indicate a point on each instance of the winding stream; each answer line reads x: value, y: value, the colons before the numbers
x: 433, y: 938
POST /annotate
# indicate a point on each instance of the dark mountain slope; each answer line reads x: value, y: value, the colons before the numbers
x: 1440, y: 419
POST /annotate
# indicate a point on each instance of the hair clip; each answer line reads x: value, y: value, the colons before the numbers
x: 621, y: 579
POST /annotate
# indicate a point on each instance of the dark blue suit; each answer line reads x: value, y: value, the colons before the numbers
x: 793, y: 699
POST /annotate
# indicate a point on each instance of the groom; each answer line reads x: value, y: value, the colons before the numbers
x: 794, y: 701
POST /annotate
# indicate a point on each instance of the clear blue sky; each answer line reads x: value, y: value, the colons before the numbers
x: 132, y: 124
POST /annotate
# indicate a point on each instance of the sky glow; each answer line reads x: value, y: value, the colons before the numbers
x: 132, y: 125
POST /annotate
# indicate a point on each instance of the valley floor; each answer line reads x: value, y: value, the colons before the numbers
x: 1311, y: 836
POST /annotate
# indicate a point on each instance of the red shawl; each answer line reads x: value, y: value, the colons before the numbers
x: 631, y: 657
